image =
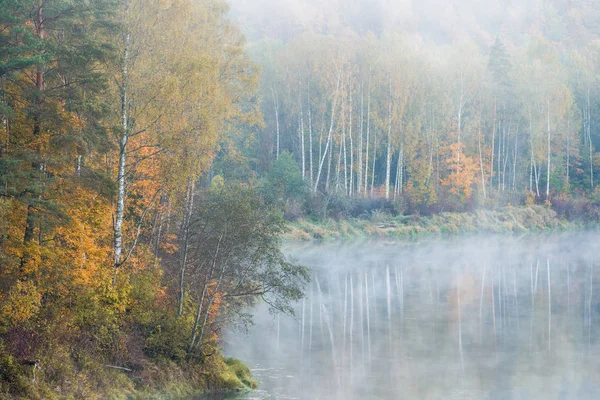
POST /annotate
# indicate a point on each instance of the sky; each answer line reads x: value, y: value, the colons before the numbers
x: 436, y: 21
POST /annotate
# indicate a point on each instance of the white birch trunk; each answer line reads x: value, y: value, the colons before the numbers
x: 368, y: 131
x: 351, y: 183
x: 548, y: 142
x: 388, y: 159
x: 310, y: 137
x: 360, y: 143
x: 118, y: 228
x: 277, y: 133
x: 333, y: 107
x: 302, y: 149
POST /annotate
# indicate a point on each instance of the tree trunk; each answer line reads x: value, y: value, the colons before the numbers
x: 481, y: 160
x: 368, y: 131
x: 360, y: 143
x: 333, y: 108
x: 351, y: 183
x: 388, y: 158
x: 374, y: 159
x: 40, y: 84
x: 310, y: 142
x: 118, y: 228
x: 302, y: 149
x: 548, y: 142
x: 514, y: 187
x: 186, y: 235
x: 277, y: 133
x: 493, y: 144
x: 589, y: 139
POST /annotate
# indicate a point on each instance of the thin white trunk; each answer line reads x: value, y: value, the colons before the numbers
x: 302, y: 149
x: 118, y: 228
x: 548, y: 142
x: 351, y: 183
x: 589, y: 139
x: 401, y: 169
x: 514, y: 186
x: 374, y: 159
x: 493, y: 144
x: 481, y: 160
x: 310, y: 137
x: 186, y: 236
x: 568, y: 152
x: 277, y: 133
x: 368, y: 131
x: 333, y: 107
x: 360, y: 143
x: 388, y: 160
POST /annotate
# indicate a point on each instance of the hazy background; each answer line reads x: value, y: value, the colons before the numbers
x: 438, y: 21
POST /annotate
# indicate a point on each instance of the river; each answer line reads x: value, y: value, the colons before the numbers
x: 475, y: 317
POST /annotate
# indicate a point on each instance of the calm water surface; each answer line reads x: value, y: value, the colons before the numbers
x: 483, y: 317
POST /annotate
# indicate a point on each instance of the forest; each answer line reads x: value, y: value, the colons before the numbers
x: 118, y: 271
x: 153, y: 152
x: 372, y: 102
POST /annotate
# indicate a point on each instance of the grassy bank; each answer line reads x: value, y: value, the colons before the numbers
x: 164, y: 380
x: 506, y: 219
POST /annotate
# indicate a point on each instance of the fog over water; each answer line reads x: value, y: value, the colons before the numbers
x: 459, y: 318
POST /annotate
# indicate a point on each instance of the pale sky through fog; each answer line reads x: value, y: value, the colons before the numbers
x: 438, y: 21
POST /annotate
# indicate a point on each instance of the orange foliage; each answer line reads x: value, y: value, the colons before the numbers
x: 462, y: 170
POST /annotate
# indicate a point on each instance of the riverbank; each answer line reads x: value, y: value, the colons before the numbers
x: 163, y: 380
x: 504, y: 220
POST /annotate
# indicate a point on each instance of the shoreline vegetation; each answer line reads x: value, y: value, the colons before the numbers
x: 511, y: 219
x: 152, y: 155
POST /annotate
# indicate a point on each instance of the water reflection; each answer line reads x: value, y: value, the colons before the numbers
x: 468, y: 318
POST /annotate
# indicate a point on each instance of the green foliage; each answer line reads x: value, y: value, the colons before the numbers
x: 283, y: 181
x: 237, y: 239
x: 242, y: 372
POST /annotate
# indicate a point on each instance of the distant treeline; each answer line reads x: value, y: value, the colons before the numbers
x: 433, y: 127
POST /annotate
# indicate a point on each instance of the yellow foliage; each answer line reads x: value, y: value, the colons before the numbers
x: 22, y: 302
x: 461, y: 169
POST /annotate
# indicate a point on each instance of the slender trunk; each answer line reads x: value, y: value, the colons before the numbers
x: 532, y: 161
x: 351, y: 183
x: 514, y: 186
x: 499, y: 156
x: 401, y: 169
x: 310, y: 142
x: 118, y: 228
x: 481, y: 159
x: 388, y: 159
x: 460, y: 112
x: 589, y: 139
x: 548, y: 142
x: 195, y: 335
x: 329, y: 159
x: 302, y: 149
x: 374, y: 159
x: 339, y: 160
x: 277, y: 132
x: 40, y: 84
x: 398, y: 180
x: 333, y: 107
x: 568, y: 152
x: 493, y: 144
x: 388, y: 162
x: 368, y: 131
x: 209, y: 305
x: 360, y: 143
x: 506, y: 153
x: 186, y: 236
